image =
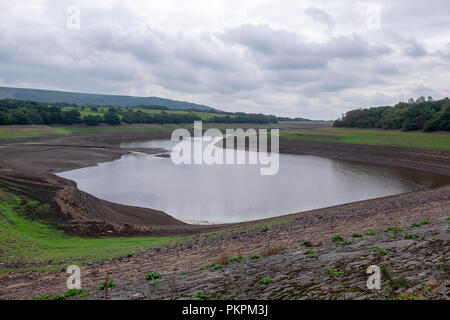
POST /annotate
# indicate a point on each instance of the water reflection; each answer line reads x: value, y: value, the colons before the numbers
x: 231, y: 193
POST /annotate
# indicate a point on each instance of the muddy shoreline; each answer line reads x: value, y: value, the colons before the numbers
x: 31, y: 165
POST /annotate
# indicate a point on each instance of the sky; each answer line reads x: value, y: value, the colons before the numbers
x: 312, y: 59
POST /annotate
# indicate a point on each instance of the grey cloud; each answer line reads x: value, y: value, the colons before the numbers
x: 321, y: 16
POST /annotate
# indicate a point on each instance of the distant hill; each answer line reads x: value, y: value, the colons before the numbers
x: 52, y: 96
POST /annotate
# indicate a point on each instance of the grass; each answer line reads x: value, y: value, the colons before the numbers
x: 200, y: 295
x: 265, y: 281
x: 23, y: 241
x: 238, y: 258
x: 68, y: 294
x: 312, y: 253
x: 340, y: 240
x: 152, y: 276
x: 333, y: 272
x: 104, y: 284
x: 373, y: 137
x: 419, y: 224
x: 411, y: 236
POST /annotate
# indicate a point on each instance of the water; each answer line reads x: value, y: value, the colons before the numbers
x: 233, y: 193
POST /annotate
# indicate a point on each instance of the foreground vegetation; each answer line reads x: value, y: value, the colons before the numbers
x: 420, y: 114
x: 35, y: 245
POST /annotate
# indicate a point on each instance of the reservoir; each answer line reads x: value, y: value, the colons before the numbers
x: 235, y: 193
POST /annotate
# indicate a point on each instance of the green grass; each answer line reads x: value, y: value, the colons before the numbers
x: 374, y: 137
x: 265, y: 281
x: 25, y: 241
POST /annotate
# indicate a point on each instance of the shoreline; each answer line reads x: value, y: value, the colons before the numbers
x: 92, y: 150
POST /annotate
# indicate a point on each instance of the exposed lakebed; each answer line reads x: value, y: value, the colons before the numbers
x: 234, y: 193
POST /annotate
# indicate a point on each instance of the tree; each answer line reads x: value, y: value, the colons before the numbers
x: 111, y: 118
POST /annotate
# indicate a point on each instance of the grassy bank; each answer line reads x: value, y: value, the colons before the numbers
x: 373, y: 137
x: 34, y: 245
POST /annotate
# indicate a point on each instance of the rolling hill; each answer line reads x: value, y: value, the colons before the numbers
x: 52, y: 96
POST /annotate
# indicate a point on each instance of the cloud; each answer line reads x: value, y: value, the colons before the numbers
x: 321, y: 16
x: 255, y: 56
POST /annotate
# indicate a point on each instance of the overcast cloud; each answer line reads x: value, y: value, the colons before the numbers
x: 314, y: 59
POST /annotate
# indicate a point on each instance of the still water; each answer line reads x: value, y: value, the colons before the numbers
x: 233, y: 193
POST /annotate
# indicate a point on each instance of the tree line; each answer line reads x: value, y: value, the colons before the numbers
x: 420, y: 114
x: 14, y: 111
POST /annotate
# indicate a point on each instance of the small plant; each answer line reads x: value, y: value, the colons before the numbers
x: 154, y: 282
x: 76, y: 292
x: 68, y: 294
x: 419, y: 224
x: 395, y: 229
x: 370, y: 233
x: 384, y: 269
x: 411, y: 236
x: 302, y: 244
x: 183, y: 273
x: 238, y: 258
x: 265, y: 280
x: 110, y: 284
x: 339, y: 240
x: 383, y: 252
x: 374, y: 248
x: 255, y: 256
x: 152, y: 276
x: 440, y: 265
x: 410, y: 296
x: 216, y: 266
x: 200, y: 295
x: 312, y: 253
x: 448, y: 218
x: 357, y: 235
x: 401, y: 282
x: 333, y: 272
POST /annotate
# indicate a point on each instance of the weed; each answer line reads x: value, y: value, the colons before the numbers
x: 152, y: 276
x: 357, y: 235
x: 238, y: 258
x: 419, y: 224
x: 312, y: 253
x: 200, y: 295
x: 333, y: 272
x: 339, y: 240
x: 155, y: 282
x: 255, y: 256
x: 265, y: 280
x: 110, y: 284
x: 370, y: 233
x: 410, y: 296
x: 216, y: 266
x: 411, y: 236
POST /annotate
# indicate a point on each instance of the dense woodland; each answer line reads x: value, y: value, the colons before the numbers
x: 31, y: 112
x: 420, y: 114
